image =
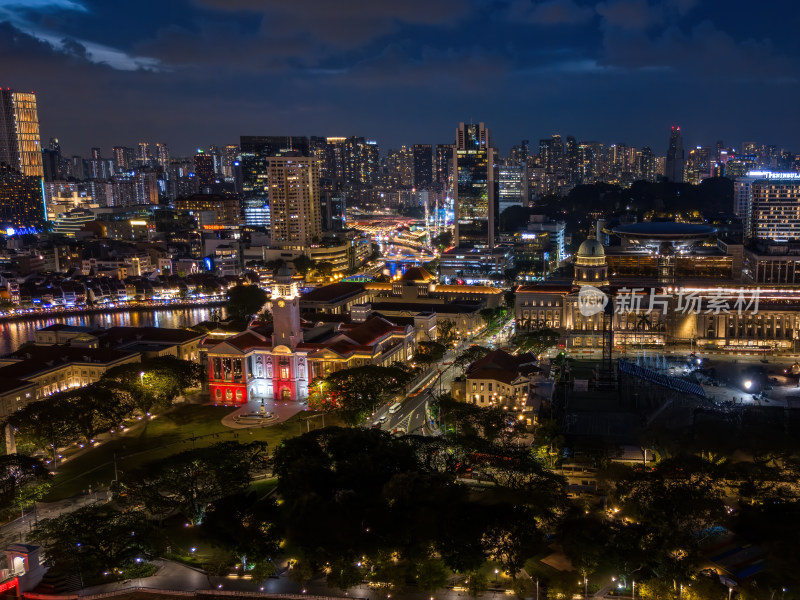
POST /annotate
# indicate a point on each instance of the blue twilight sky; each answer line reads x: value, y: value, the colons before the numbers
x: 195, y: 72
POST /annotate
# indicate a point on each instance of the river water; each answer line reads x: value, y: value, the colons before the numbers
x: 15, y: 333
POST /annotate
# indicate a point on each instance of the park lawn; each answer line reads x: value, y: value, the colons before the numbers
x: 186, y: 426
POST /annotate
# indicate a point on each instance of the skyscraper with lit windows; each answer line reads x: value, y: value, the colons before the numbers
x: 475, y: 189
x: 294, y: 200
x: 20, y: 145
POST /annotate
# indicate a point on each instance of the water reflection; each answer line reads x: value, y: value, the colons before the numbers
x: 15, y: 333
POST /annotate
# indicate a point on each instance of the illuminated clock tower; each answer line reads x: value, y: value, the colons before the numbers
x: 288, y: 364
x: 286, y: 311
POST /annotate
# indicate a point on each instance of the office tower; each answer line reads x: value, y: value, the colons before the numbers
x: 475, y: 193
x: 204, y: 169
x: 520, y: 152
x: 124, y: 158
x: 20, y: 146
x: 21, y: 198
x: 144, y: 156
x: 230, y: 154
x: 512, y: 177
x: 256, y: 212
x: 675, y: 160
x: 699, y: 165
x: 423, y: 166
x: 162, y: 156
x: 773, y: 205
x: 293, y: 200
x: 256, y: 149
x: 444, y: 164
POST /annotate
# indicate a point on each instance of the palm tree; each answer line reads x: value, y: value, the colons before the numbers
x: 643, y: 323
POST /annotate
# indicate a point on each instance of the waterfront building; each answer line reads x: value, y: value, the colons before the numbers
x: 21, y: 199
x: 278, y: 361
x: 20, y: 145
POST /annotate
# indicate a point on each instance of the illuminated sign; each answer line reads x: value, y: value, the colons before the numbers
x: 139, y: 223
x: 773, y: 175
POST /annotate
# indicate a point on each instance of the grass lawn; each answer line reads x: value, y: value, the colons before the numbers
x: 186, y: 426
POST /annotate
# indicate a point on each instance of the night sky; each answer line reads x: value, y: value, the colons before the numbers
x: 196, y: 72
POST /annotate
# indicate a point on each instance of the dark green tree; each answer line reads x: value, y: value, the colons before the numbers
x: 95, y: 539
x: 243, y: 525
x: 245, y: 301
x: 304, y: 265
x: 429, y: 353
x: 355, y: 393
x: 23, y: 479
x: 191, y: 480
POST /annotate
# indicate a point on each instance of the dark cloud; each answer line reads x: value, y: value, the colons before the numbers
x: 344, y: 23
x: 74, y: 48
x: 195, y: 72
x: 550, y: 12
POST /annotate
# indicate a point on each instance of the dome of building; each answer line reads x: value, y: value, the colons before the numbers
x: 591, y: 248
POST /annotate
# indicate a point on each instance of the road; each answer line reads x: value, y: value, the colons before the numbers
x: 411, y: 417
x: 18, y: 530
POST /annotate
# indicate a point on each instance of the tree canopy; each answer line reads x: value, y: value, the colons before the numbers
x: 245, y: 301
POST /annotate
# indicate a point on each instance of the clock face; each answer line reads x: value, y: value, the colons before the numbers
x: 281, y: 303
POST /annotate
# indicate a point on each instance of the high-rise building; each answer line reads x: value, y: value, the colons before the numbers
x: 144, y: 156
x: 590, y: 162
x: 20, y: 146
x: 647, y: 164
x: 51, y: 164
x: 204, y: 169
x: 423, y: 166
x: 256, y: 149
x: 520, y: 152
x: 444, y: 164
x: 773, y: 205
x: 475, y: 188
x: 230, y: 154
x: 571, y: 158
x: 675, y: 157
x: 162, y: 156
x: 294, y: 200
x: 124, y: 158
x: 699, y: 164
x: 361, y: 163
x: 512, y: 179
x: 21, y: 198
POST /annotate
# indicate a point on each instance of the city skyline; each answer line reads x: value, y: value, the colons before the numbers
x: 617, y: 71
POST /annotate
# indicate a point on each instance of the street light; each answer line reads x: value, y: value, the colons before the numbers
x: 141, y: 377
x: 496, y: 571
x: 748, y: 384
